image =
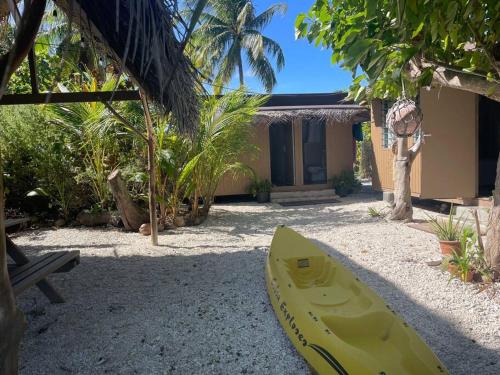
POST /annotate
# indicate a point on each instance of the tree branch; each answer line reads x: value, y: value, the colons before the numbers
x: 456, y: 79
x: 25, y: 36
x: 415, y: 149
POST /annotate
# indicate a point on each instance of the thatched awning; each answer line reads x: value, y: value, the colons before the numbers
x: 342, y: 114
x: 139, y: 34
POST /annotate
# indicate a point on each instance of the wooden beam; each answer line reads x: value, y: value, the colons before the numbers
x: 70, y: 97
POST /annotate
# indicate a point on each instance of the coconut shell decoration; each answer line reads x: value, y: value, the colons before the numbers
x: 404, y: 118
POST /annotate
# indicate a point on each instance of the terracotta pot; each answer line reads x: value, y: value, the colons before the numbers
x: 468, y: 277
x: 453, y: 269
x: 450, y: 247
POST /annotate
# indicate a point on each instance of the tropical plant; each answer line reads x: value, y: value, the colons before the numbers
x: 259, y: 186
x: 91, y: 131
x: 229, y: 29
x: 55, y: 166
x: 18, y: 135
x: 364, y: 152
x: 345, y: 183
x: 173, y: 153
x: 449, y: 229
x: 223, y: 136
x: 373, y: 212
x: 462, y: 263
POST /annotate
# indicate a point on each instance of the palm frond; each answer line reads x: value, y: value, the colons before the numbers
x: 246, y: 14
x: 274, y: 49
x: 228, y: 65
x: 263, y: 19
x: 263, y: 70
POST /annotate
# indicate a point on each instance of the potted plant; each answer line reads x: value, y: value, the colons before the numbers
x: 260, y: 189
x: 448, y: 233
x: 345, y: 183
x: 460, y: 265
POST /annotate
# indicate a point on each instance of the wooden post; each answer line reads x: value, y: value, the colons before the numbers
x: 151, y: 169
x: 12, y: 323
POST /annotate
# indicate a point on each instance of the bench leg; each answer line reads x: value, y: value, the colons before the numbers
x: 49, y: 291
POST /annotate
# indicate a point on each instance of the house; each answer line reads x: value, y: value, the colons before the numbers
x: 303, y: 140
x: 457, y: 163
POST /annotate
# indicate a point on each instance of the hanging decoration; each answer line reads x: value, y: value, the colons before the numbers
x: 404, y: 118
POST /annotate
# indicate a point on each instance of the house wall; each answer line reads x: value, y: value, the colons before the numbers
x: 447, y: 164
x: 450, y: 165
x: 260, y: 162
x: 339, y: 155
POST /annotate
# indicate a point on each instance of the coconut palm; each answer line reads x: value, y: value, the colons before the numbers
x: 224, y: 134
x: 90, y: 129
x: 230, y: 29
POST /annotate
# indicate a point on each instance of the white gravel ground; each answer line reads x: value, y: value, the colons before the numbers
x: 197, y: 303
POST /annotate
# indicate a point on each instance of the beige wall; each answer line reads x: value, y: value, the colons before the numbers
x: 447, y: 164
x: 260, y: 163
x: 339, y: 157
x: 449, y: 157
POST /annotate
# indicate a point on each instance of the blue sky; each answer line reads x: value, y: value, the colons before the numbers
x: 307, y: 68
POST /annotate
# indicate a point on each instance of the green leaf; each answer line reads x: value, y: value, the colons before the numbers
x: 371, y: 8
x: 451, y: 12
x: 299, y: 20
x: 434, y: 26
x: 418, y: 30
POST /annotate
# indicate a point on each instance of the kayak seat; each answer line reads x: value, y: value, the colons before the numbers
x: 379, y: 334
x: 311, y: 272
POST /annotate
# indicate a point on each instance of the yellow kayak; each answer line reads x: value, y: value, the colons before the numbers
x: 338, y: 324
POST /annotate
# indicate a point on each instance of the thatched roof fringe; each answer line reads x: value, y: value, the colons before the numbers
x: 143, y: 38
x: 339, y: 116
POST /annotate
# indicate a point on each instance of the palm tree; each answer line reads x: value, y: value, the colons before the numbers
x: 230, y: 28
x: 223, y: 136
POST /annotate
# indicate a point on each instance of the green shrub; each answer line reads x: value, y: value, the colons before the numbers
x: 345, y: 183
x: 259, y: 186
x: 38, y: 160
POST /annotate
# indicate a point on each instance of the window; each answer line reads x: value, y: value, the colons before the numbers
x: 387, y: 134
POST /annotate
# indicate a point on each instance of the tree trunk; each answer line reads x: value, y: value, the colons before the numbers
x: 132, y: 215
x: 492, y: 250
x: 240, y: 70
x: 25, y: 36
x: 402, y: 208
x: 12, y: 323
x: 151, y: 171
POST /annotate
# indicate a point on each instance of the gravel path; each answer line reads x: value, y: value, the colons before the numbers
x: 197, y: 303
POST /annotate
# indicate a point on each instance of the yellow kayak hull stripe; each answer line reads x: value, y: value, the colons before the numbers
x: 330, y: 359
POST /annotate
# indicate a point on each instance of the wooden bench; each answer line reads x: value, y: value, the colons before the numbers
x: 28, y: 272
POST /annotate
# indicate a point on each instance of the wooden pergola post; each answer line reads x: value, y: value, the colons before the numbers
x: 12, y: 322
x: 151, y: 170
